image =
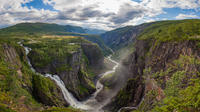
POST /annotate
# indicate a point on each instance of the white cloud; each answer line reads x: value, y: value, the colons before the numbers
x: 12, y: 12
x: 185, y: 16
x: 105, y: 14
x: 113, y: 13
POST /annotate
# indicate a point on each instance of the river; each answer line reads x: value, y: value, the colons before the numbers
x: 91, y: 104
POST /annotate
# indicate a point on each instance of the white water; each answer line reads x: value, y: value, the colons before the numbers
x: 67, y: 95
x: 90, y: 105
x: 97, y: 107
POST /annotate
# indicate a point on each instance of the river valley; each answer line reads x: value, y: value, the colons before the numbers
x: 89, y: 105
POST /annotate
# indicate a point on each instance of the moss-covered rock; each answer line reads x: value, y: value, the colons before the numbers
x: 46, y: 91
x: 3, y: 108
x: 72, y: 59
x: 56, y: 109
x: 128, y: 96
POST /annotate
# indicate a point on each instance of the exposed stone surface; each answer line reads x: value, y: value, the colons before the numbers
x: 11, y: 56
x: 15, y: 56
x: 159, y: 58
x: 121, y: 37
x: 47, y: 92
x: 74, y: 75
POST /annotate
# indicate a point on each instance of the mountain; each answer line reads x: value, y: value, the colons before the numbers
x: 47, y: 27
x: 38, y: 29
x: 94, y: 31
x: 121, y: 37
x: 42, y: 28
x: 121, y: 40
x: 163, y: 70
x: 53, y: 70
x: 26, y: 65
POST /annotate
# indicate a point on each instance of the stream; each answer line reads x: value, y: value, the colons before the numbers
x: 91, y: 104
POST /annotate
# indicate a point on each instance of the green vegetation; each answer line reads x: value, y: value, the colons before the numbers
x: 82, y: 89
x: 114, y: 40
x: 126, y: 95
x: 21, y: 90
x: 31, y: 28
x: 14, y: 88
x: 37, y: 30
x: 46, y: 50
x: 178, y: 79
x: 46, y: 91
x: 187, y: 100
x: 4, y: 108
x: 106, y: 80
x: 174, y: 30
x: 182, y: 89
x: 57, y: 109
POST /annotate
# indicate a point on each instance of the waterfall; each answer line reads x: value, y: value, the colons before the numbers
x: 67, y: 95
x: 91, y: 104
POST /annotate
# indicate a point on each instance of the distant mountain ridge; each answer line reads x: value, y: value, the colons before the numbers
x: 94, y: 31
x: 47, y: 27
x: 36, y: 29
x: 122, y: 37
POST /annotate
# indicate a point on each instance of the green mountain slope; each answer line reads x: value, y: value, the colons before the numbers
x: 38, y: 29
x: 19, y: 84
x: 164, y: 69
x: 173, y: 30
x: 22, y: 90
x: 41, y: 28
x: 121, y: 40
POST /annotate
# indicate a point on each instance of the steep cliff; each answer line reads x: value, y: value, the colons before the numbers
x: 164, y: 68
x: 39, y: 29
x: 73, y: 62
x: 121, y: 37
x: 19, y: 85
x: 121, y: 40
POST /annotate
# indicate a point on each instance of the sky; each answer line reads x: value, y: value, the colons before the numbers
x: 97, y: 14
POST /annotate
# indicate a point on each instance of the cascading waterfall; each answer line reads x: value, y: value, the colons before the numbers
x: 91, y: 104
x: 67, y: 95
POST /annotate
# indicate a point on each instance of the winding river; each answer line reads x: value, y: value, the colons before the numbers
x: 91, y: 104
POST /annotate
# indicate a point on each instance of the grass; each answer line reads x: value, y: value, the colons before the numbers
x: 56, y: 109
x: 175, y: 30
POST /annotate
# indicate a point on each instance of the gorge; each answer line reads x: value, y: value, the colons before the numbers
x: 152, y: 67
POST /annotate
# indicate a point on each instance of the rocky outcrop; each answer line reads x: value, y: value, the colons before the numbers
x: 27, y: 88
x: 94, y: 55
x: 122, y: 37
x: 47, y: 92
x: 11, y: 56
x: 132, y: 93
x: 148, y: 59
x: 73, y: 69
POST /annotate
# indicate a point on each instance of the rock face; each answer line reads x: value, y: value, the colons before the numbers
x: 11, y: 56
x: 157, y: 57
x: 121, y: 37
x: 133, y: 92
x: 40, y: 88
x: 73, y: 69
x: 47, y: 92
x: 94, y: 55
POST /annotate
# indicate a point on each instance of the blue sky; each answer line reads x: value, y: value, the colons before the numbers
x: 38, y: 4
x: 100, y: 14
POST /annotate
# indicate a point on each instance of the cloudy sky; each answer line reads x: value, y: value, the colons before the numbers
x: 99, y: 14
